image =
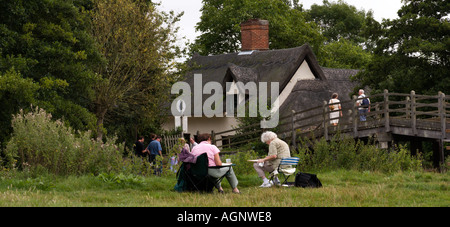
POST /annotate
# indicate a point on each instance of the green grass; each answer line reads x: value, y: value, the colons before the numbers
x: 341, y: 188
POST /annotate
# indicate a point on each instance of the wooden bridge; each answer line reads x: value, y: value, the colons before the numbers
x: 392, y: 117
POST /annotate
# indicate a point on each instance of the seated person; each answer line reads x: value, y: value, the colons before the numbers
x: 278, y: 149
x: 212, y: 152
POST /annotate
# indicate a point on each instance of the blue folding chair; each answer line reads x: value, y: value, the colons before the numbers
x: 286, y: 172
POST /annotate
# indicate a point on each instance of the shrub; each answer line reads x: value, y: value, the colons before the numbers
x: 346, y: 153
x: 40, y: 144
x: 241, y: 160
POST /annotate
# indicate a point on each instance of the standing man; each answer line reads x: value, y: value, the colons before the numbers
x: 139, y: 150
x: 363, y: 104
x: 154, y: 148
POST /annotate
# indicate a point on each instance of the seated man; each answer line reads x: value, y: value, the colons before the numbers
x: 212, y: 152
x: 278, y: 149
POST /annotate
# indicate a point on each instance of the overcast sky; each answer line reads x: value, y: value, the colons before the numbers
x: 382, y: 9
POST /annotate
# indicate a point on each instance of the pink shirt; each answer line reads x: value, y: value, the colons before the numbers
x: 210, y: 150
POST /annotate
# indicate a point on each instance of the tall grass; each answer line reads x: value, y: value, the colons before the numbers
x: 343, y: 152
x: 42, y: 145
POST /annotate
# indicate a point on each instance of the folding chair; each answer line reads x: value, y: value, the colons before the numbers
x: 194, y: 177
x: 287, y: 171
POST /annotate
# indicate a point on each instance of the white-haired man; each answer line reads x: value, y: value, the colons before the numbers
x: 363, y: 104
x: 278, y: 149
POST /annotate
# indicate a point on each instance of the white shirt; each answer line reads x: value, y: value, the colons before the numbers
x: 360, y: 99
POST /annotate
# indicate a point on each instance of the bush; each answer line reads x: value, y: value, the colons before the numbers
x: 39, y: 144
x: 346, y: 153
x: 242, y: 167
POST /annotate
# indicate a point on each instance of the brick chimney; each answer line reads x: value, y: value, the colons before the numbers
x: 255, y: 35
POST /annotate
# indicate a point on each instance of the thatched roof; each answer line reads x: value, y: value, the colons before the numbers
x: 275, y: 66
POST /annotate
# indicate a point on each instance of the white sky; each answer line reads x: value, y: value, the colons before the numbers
x: 382, y: 9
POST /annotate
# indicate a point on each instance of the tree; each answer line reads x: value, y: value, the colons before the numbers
x: 44, y: 45
x: 338, y: 33
x: 221, y: 19
x: 412, y: 53
x: 137, y: 46
x: 339, y: 21
x: 349, y: 34
x: 344, y: 54
x: 16, y: 93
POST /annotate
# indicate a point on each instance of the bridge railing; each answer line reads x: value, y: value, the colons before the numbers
x: 416, y: 112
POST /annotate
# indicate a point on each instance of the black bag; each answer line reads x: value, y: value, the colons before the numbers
x: 307, y: 180
x: 365, y: 103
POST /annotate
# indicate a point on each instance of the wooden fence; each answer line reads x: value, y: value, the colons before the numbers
x: 406, y: 114
x: 169, y: 141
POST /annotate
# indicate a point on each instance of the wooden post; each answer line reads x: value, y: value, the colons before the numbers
x: 408, y: 106
x: 441, y: 156
x: 294, y: 143
x: 325, y: 122
x: 377, y: 108
x: 164, y: 138
x: 182, y: 129
x: 441, y: 107
x: 355, y: 117
x: 413, y: 113
x: 387, y: 125
x: 442, y: 116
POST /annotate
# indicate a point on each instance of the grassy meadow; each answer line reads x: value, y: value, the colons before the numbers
x: 45, y: 164
x: 341, y: 188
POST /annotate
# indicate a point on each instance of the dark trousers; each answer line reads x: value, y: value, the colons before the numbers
x: 158, y: 169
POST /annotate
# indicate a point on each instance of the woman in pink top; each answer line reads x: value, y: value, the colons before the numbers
x: 212, y: 152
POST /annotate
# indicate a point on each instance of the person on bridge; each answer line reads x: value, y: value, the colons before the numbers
x: 335, y: 107
x: 363, y: 104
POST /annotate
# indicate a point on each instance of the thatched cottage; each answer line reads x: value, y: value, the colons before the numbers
x: 303, y: 83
